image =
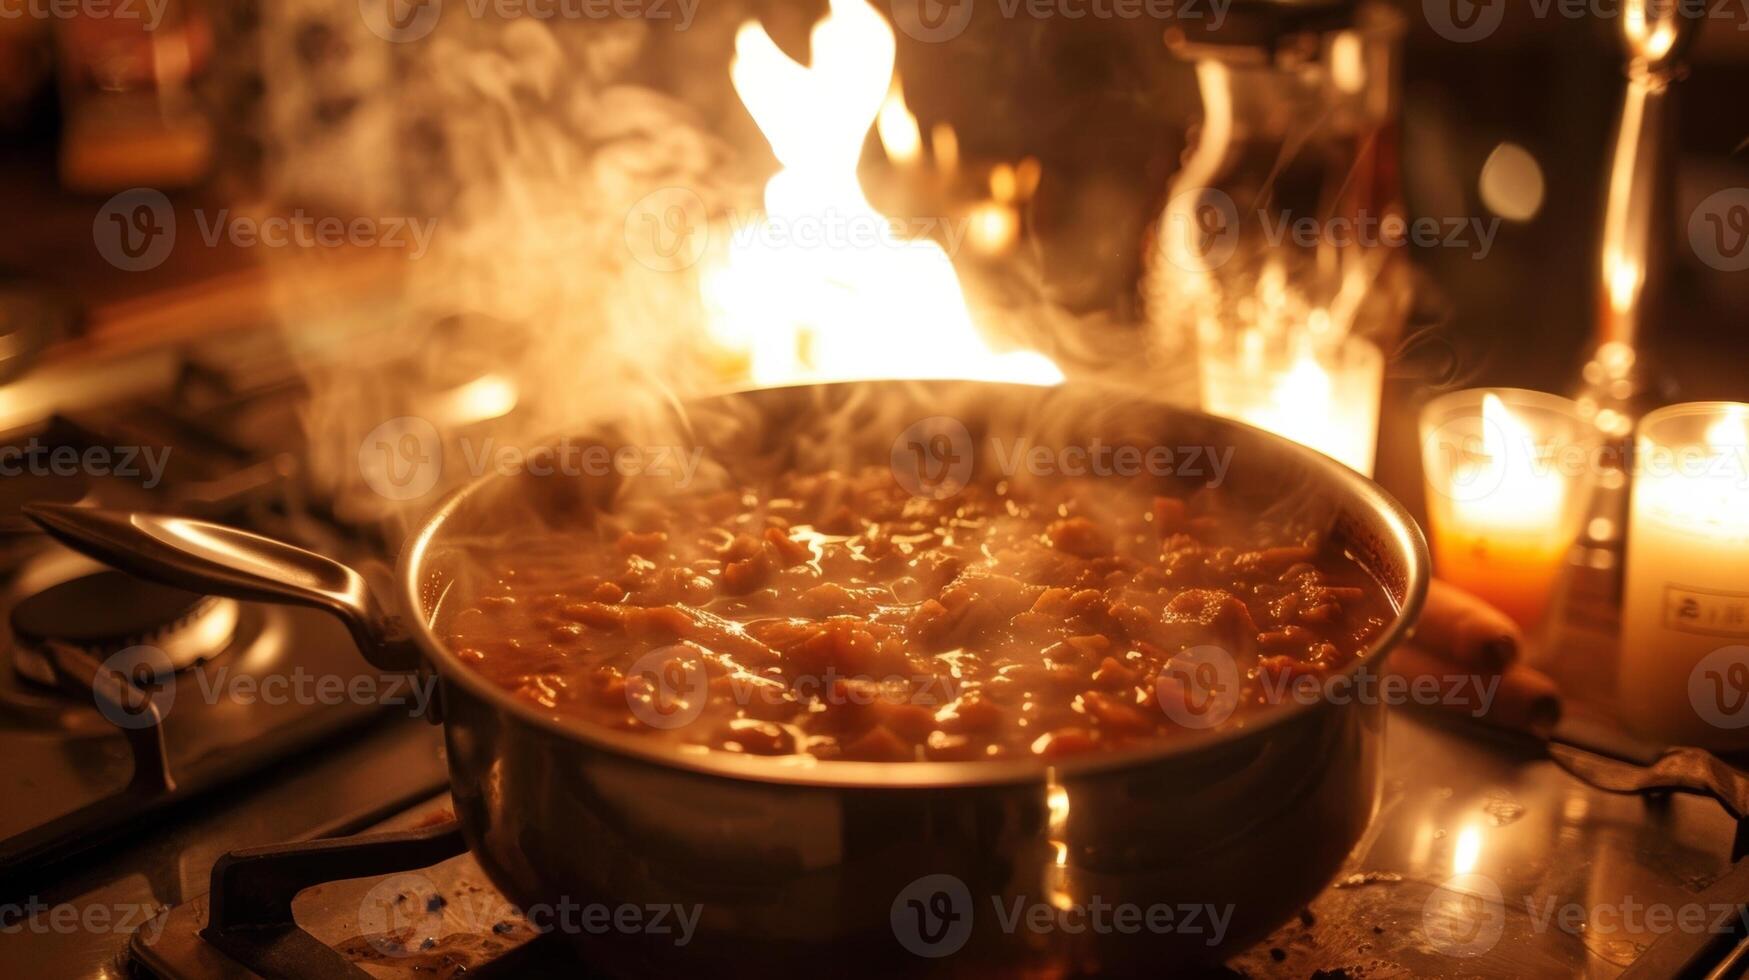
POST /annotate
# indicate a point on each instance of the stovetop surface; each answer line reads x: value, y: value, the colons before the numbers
x: 1465, y: 814
x: 1461, y: 810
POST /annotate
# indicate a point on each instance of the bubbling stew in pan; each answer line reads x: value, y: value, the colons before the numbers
x: 837, y: 616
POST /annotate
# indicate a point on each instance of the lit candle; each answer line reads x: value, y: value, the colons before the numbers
x: 1507, y: 485
x: 1684, y: 674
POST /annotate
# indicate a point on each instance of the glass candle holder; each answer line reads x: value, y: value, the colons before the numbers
x: 1509, y: 479
x: 1684, y: 667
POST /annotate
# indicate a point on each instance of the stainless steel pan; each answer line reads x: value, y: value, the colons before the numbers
x: 862, y: 868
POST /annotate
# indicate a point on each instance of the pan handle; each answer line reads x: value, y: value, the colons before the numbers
x: 218, y: 560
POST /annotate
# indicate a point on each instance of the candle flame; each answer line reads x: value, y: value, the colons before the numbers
x: 1498, y: 420
x: 1729, y: 431
x: 1517, y: 493
x: 1508, y: 444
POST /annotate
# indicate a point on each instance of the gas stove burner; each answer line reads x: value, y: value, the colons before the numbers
x: 108, y: 612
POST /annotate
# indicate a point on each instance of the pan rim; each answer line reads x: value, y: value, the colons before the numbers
x: 805, y: 771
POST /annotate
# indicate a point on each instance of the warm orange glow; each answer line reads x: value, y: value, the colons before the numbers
x: 1729, y: 431
x: 1003, y: 183
x: 898, y: 130
x: 946, y: 144
x: 1504, y: 513
x: 826, y: 287
x: 994, y: 228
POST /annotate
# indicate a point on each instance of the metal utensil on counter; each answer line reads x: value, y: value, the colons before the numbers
x: 1678, y: 769
x: 1683, y: 953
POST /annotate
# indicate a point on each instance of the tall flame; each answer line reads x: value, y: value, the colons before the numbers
x: 1522, y: 493
x: 1731, y: 429
x: 824, y: 286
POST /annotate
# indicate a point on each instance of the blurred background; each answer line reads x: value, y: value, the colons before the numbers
x: 315, y: 246
x: 227, y: 104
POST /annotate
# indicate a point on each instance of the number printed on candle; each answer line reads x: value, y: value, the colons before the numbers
x: 1706, y: 611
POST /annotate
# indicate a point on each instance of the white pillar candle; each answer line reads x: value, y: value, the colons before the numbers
x: 1684, y: 668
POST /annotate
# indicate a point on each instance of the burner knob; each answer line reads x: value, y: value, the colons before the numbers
x: 107, y: 612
